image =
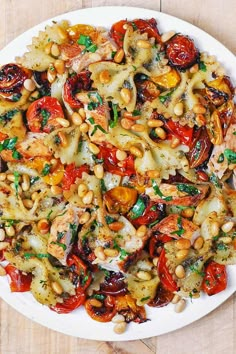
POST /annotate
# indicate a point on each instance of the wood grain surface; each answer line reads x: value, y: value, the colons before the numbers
x: 213, y: 334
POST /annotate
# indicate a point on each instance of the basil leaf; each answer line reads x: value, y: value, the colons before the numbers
x: 137, y: 209
x: 85, y: 40
x: 16, y: 155
x: 46, y: 169
x: 62, y: 245
x: 16, y: 181
x: 230, y: 155
x: 113, y: 122
x: 191, y: 190
x: 202, y: 66
x: 158, y: 192
x: 8, y: 144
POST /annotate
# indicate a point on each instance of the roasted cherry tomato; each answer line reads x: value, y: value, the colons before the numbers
x: 200, y: 148
x: 80, y: 272
x: 184, y: 133
x: 71, y: 303
x: 164, y: 273
x: 114, y: 285
x: 12, y: 78
x: 163, y: 297
x: 19, y: 282
x: 105, y: 313
x: 71, y: 173
x: 43, y: 84
x: 75, y: 84
x: 56, y: 174
x: 42, y: 113
x: 181, y: 52
x: 152, y: 212
x: 3, y: 136
x: 146, y: 90
x: 111, y: 162
x: 156, y: 243
x: 144, y: 26
x: 215, y: 279
x: 120, y: 199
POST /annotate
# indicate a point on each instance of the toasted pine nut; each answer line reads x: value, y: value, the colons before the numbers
x: 88, y: 198
x: 227, y: 227
x: 29, y: 85
x: 51, y: 73
x: 141, y: 274
x: 118, y: 318
x: 11, y: 177
x: 130, y: 115
x: 84, y: 218
x: 2, y: 234
x: 84, y: 128
x: 63, y: 122
x: 82, y: 113
x: 215, y: 228
x: 25, y: 185
x: 174, y: 142
x: 57, y: 287
x: 179, y: 271
x: 126, y: 95
x: 55, y: 50
x: 34, y: 196
x: 126, y: 123
x: 43, y: 226
x: 181, y: 254
x: 63, y: 139
x: 194, y: 69
x: 167, y: 35
x: 116, y: 226
x: 93, y: 148
x: 187, y: 213
x: 48, y: 47
x: 59, y: 66
x: 62, y: 33
x: 99, y: 171
x: 104, y: 77
x: 95, y: 303
x: 138, y: 128
x: 136, y: 151
x: 141, y: 231
x: 153, y: 173
x: 154, y: 123
x: 10, y: 231
x: 120, y: 328
x: 155, y: 261
x: 160, y: 132
x: 76, y: 119
x: 121, y: 155
x: 4, y: 245
x: 175, y: 299
x: 3, y: 176
x: 56, y: 190
x: 28, y: 203
x: 183, y: 244
x: 199, y: 108
x: 225, y: 239
x: 198, y: 243
x: 2, y: 271
x: 179, y: 109
x: 99, y: 253
x: 82, y: 190
x: 111, y: 252
x: 119, y: 56
x: 180, y: 306
x: 143, y: 44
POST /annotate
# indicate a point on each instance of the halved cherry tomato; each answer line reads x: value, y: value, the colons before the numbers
x: 19, y: 282
x: 12, y: 77
x: 71, y: 303
x: 80, y: 271
x: 42, y: 113
x: 114, y: 285
x: 184, y: 133
x: 105, y: 313
x: 151, y: 213
x: 56, y: 175
x: 71, y: 173
x: 120, y: 199
x: 163, y: 297
x: 156, y: 244
x: 145, y: 26
x: 75, y: 84
x: 164, y: 273
x: 215, y: 279
x: 111, y: 162
x: 200, y: 148
x: 181, y: 52
x: 146, y: 90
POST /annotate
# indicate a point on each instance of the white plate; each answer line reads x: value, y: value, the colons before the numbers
x: 162, y: 320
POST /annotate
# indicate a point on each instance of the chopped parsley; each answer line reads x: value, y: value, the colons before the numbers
x: 202, y: 66
x: 221, y: 158
x: 197, y: 271
x: 180, y: 230
x: 16, y: 181
x: 221, y: 246
x: 45, y: 115
x: 113, y: 122
x: 164, y: 98
x: 123, y: 252
x: 157, y: 191
x: 87, y: 42
x: 191, y: 190
x: 109, y: 219
x: 46, y: 169
x: 103, y: 186
x: 136, y: 113
x: 137, y: 209
x: 28, y: 255
x: 62, y: 245
x: 8, y: 116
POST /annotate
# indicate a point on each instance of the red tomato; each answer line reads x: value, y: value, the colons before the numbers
x: 156, y: 244
x: 181, y: 52
x: 42, y: 113
x: 145, y: 26
x: 164, y: 273
x: 78, y: 268
x: 215, y: 279
x: 163, y: 297
x: 71, y: 303
x: 111, y: 162
x: 184, y: 133
x: 12, y: 78
x: 75, y: 84
x: 105, y: 313
x: 200, y: 148
x: 151, y: 213
x: 114, y: 285
x: 19, y: 282
x: 71, y: 173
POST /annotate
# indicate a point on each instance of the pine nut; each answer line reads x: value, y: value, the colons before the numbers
x: 194, y: 69
x: 129, y: 115
x: 4, y: 245
x: 34, y: 196
x: 28, y: 203
x: 2, y: 234
x: 63, y: 139
x: 55, y: 50
x: 118, y: 318
x: 198, y: 243
x: 160, y: 132
x: 84, y: 218
x: 63, y: 122
x: 121, y: 155
x: 57, y: 287
x: 227, y: 227
x: 126, y: 123
x: 143, y: 44
x: 111, y: 252
x: 180, y: 272
x: 99, y: 253
x: 138, y: 128
x: 95, y: 303
x: 51, y: 73
x: 93, y: 148
x: 3, y: 176
x: 62, y: 33
x: 141, y: 231
x: 116, y: 226
x: 10, y: 231
x: 11, y: 177
x: 153, y: 173
x: 187, y: 213
x: 155, y: 261
x: 82, y: 113
x: 88, y: 198
x: 181, y: 254
x: 141, y: 274
x: 29, y: 85
x: 99, y: 171
x: 13, y: 187
x: 56, y: 190
x: 179, y: 109
x: 175, y: 299
x: 2, y: 271
x: 136, y: 151
x: 199, y: 109
x: 215, y: 228
x: 174, y: 142
x: 48, y: 47
x: 180, y: 306
x: 104, y: 77
x: 43, y: 226
x: 25, y: 185
x: 82, y: 190
x: 120, y: 328
x: 167, y: 35
x: 154, y: 123
x: 119, y: 56
x: 126, y: 95
x: 59, y: 66
x: 76, y: 119
x: 84, y: 128
x: 183, y: 244
x: 225, y: 239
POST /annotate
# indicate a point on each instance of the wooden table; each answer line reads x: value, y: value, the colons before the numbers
x: 215, y: 333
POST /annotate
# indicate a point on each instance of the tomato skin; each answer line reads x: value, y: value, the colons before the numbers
x: 104, y: 313
x: 80, y: 269
x: 200, y: 148
x: 184, y: 133
x: 164, y: 274
x: 215, y: 279
x: 111, y: 162
x: 114, y: 285
x: 19, y: 282
x: 151, y: 213
x: 163, y: 297
x: 12, y: 77
x: 71, y: 173
x: 156, y: 244
x: 71, y: 303
x: 73, y: 85
x: 45, y: 105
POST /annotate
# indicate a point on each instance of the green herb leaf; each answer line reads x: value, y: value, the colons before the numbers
x: 215, y: 180
x: 96, y: 127
x: 8, y: 144
x: 137, y: 209
x: 49, y: 214
x: 180, y: 230
x: 62, y: 245
x: 164, y: 98
x: 80, y: 145
x: 158, y: 192
x: 103, y: 186
x: 28, y: 255
x: 45, y: 115
x: 46, y: 169
x: 33, y: 180
x: 202, y: 66
x: 99, y: 297
x: 16, y: 181
x: 230, y: 155
x: 16, y: 97
x: 96, y: 96
x: 136, y: 113
x: 113, y: 122
x: 92, y: 48
x: 220, y: 158
x: 113, y: 54
x: 109, y: 219
x: 16, y: 155
x: 96, y: 160
x: 222, y: 246
x: 91, y: 120
x: 4, y: 118
x: 191, y: 190
x: 85, y: 40
x: 145, y: 298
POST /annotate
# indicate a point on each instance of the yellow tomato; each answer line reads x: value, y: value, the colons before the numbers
x: 168, y: 80
x: 87, y: 30
x: 55, y: 176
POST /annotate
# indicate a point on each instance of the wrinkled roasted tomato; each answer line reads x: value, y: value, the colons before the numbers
x: 219, y: 90
x: 114, y: 285
x: 110, y: 164
x: 200, y: 148
x: 164, y: 273
x: 71, y: 173
x: 146, y: 90
x: 120, y: 199
x: 163, y: 297
x: 181, y: 52
x: 184, y: 133
x: 19, y: 282
x: 156, y: 243
x: 215, y: 279
x: 105, y: 313
x: 70, y: 303
x: 75, y: 84
x: 127, y: 306
x: 43, y: 83
x: 168, y: 80
x: 12, y: 78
